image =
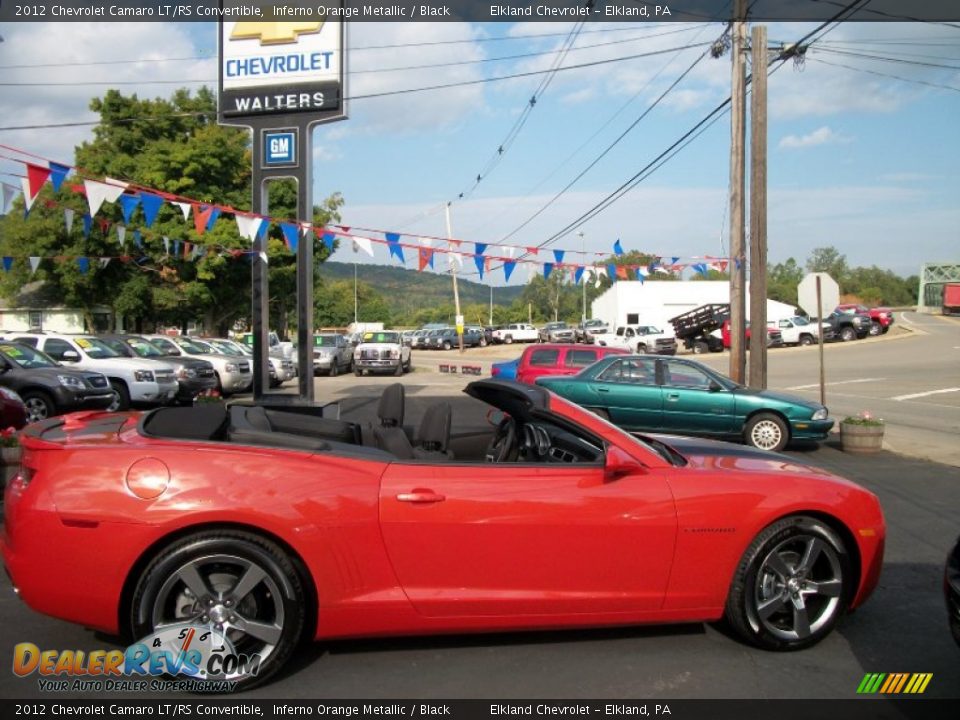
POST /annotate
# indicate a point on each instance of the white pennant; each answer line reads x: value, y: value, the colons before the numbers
x: 7, y: 194
x: 68, y: 218
x: 27, y: 200
x: 454, y: 257
x: 510, y: 250
x: 364, y: 244
x: 305, y: 228
x: 247, y: 225
x: 600, y: 272
x: 98, y: 192
x: 184, y: 208
x: 263, y: 257
x: 121, y: 235
x: 104, y: 262
x: 34, y: 261
x: 166, y: 245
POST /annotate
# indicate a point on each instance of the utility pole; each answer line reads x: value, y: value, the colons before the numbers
x: 456, y: 293
x: 758, y: 210
x: 738, y: 110
x: 583, y: 282
x: 490, y: 319
x: 355, y: 303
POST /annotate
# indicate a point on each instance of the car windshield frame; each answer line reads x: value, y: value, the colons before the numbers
x: 143, y: 348
x: 10, y: 351
x: 389, y: 337
x: 102, y: 350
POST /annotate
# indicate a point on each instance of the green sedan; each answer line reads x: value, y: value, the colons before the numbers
x: 683, y: 397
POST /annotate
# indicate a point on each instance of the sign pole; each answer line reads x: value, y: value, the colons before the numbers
x: 823, y: 383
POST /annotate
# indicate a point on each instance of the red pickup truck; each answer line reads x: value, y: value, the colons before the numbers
x: 559, y: 359
x: 774, y: 336
x: 881, y: 318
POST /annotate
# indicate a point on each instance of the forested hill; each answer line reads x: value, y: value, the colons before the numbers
x: 412, y: 290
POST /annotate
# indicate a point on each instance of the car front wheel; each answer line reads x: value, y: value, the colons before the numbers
x: 875, y: 329
x: 791, y: 585
x: 39, y: 406
x: 767, y: 431
x: 232, y: 584
x: 847, y: 334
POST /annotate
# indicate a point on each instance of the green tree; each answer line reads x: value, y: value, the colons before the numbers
x: 782, y: 281
x: 830, y: 261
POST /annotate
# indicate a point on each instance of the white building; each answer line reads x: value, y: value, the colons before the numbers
x: 629, y: 302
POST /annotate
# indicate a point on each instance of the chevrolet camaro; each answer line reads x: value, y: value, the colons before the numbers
x: 273, y: 525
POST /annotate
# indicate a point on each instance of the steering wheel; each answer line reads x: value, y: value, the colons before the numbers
x: 504, y: 442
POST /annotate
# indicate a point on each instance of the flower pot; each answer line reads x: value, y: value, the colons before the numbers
x: 861, y: 438
x: 9, y: 466
x: 10, y: 455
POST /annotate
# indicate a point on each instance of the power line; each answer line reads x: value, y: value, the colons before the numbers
x: 886, y: 75
x: 883, y: 58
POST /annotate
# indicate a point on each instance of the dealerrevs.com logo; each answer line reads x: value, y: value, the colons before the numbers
x: 179, y: 658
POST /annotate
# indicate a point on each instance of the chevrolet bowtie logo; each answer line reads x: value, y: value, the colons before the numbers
x: 274, y: 33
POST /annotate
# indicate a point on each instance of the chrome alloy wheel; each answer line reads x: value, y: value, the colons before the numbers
x: 766, y: 435
x: 230, y: 593
x: 798, y: 588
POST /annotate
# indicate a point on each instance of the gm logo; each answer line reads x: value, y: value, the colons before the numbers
x: 279, y: 147
x: 274, y: 33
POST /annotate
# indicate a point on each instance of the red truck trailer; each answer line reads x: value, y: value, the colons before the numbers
x: 951, y: 299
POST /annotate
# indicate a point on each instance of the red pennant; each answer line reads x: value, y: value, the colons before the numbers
x: 236, y: 253
x: 723, y: 265
x: 533, y: 250
x: 104, y: 225
x: 201, y: 218
x: 36, y: 177
x: 425, y: 255
x: 186, y: 249
x: 79, y: 189
x: 455, y: 242
x: 621, y: 272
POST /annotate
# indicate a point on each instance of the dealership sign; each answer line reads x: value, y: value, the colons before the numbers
x: 281, y: 68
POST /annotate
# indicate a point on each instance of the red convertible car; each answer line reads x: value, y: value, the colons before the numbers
x: 270, y: 526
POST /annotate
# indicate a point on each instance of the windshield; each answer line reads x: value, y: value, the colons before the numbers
x: 324, y: 340
x: 192, y: 347
x: 143, y: 348
x: 799, y: 321
x: 225, y: 348
x: 204, y: 345
x: 381, y: 337
x: 118, y: 346
x: 95, y: 348
x: 650, y: 330
x: 25, y: 356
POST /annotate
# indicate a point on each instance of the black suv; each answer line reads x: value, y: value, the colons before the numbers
x: 845, y: 327
x: 47, y: 387
x: 193, y: 375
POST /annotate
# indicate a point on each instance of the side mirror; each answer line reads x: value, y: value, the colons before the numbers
x: 70, y: 356
x: 618, y: 463
x: 714, y: 386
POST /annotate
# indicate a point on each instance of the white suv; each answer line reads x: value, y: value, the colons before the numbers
x: 132, y: 379
x: 516, y: 332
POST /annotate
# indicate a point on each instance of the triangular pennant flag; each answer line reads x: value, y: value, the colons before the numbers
x: 393, y: 242
x: 213, y: 218
x: 640, y: 275
x: 364, y: 244
x: 137, y: 240
x: 479, y: 248
x: 547, y: 269
x: 151, y: 206
x: 57, y: 174
x: 622, y: 273
x: 36, y: 177
x: 34, y: 263
x: 328, y: 238
x: 184, y: 208
x: 84, y: 264
x: 612, y: 272
x: 700, y: 268
x: 247, y: 225
x: 104, y: 261
x: 600, y: 273
x: 27, y: 197
x: 7, y: 263
x: 263, y: 229
x: 87, y: 225
x: 454, y: 257
x: 533, y: 251
x: 7, y: 194
x: 425, y: 258
x: 121, y: 235
x: 392, y: 237
x: 510, y: 250
x: 617, y: 249
x: 129, y: 204
x: 68, y: 219
x: 508, y: 266
x: 98, y: 193
x: 201, y: 215
x: 578, y: 275
x: 291, y: 235
x: 166, y: 245
x: 558, y: 255
x: 478, y: 261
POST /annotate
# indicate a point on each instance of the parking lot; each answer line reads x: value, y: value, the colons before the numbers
x: 903, y: 628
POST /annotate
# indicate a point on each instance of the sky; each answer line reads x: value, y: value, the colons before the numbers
x: 858, y: 160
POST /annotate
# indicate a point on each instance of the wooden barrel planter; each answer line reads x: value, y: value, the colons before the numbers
x: 9, y: 465
x: 861, y: 438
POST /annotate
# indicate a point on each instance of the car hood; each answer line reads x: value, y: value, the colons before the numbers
x: 51, y: 373
x: 125, y: 363
x: 777, y: 396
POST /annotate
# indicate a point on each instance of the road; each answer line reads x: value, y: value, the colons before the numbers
x: 901, y: 629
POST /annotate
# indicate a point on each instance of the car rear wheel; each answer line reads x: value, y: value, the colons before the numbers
x: 508, y: 340
x: 700, y: 347
x: 447, y: 345
x: 767, y: 431
x: 791, y: 585
x: 847, y: 334
x: 357, y: 371
x: 806, y: 339
x: 334, y: 368
x: 231, y: 582
x: 875, y: 328
x: 39, y: 405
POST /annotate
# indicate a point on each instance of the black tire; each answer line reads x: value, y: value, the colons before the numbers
x: 766, y: 431
x: 357, y: 371
x: 399, y: 371
x: 806, y: 340
x: 122, y: 396
x: 508, y: 340
x: 483, y: 342
x: 875, y: 329
x: 797, y: 561
x: 221, y: 560
x: 700, y: 347
x: 447, y: 345
x: 40, y: 406
x: 847, y: 333
x: 641, y: 349
x: 334, y: 368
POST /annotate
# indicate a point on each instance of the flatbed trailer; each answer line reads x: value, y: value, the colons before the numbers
x: 694, y: 328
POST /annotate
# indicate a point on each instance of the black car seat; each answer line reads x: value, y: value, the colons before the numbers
x: 433, y: 435
x: 389, y: 434
x: 390, y: 409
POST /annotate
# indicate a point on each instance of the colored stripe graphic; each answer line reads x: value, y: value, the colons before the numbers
x: 894, y: 683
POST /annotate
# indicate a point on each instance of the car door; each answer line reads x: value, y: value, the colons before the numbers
x: 527, y: 539
x: 576, y: 359
x: 689, y: 403
x: 627, y: 389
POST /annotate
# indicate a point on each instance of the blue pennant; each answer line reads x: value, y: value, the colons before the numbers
x: 84, y: 264
x: 479, y: 260
x: 87, y: 225
x: 328, y: 238
x: 129, y: 204
x: 57, y: 174
x: 480, y: 248
x: 612, y: 272
x: 7, y: 263
x: 291, y: 234
x: 151, y: 206
x: 558, y: 254
x: 578, y: 275
x: 508, y: 266
x: 214, y: 214
x: 617, y: 249
x: 547, y: 269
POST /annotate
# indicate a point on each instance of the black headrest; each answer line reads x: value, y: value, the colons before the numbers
x: 206, y: 421
x: 390, y: 410
x: 434, y: 431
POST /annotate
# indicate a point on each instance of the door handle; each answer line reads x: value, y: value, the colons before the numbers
x: 421, y: 496
x: 673, y: 397
x: 603, y: 389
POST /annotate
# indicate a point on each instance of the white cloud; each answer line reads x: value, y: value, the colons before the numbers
x: 821, y: 136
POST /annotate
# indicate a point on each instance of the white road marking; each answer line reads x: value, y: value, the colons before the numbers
x: 925, y: 394
x: 838, y: 382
